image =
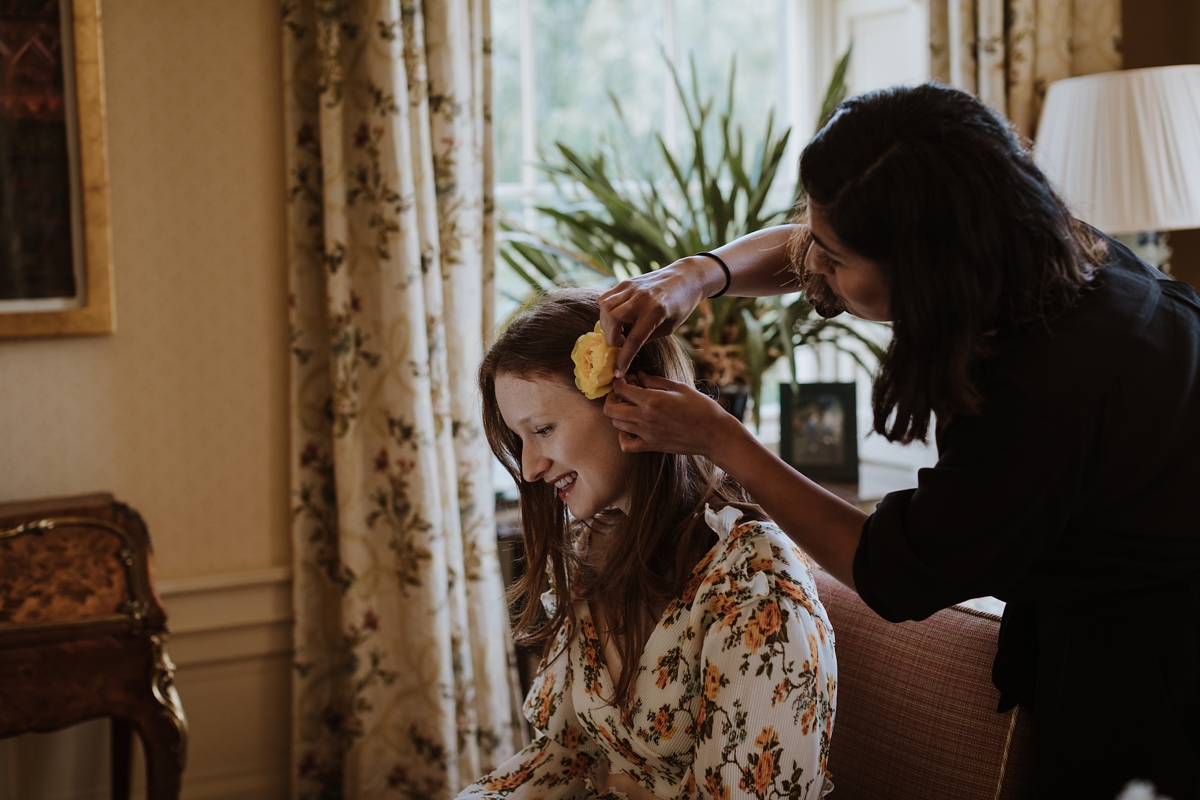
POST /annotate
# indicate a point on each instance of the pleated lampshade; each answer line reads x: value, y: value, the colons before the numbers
x: 1123, y: 148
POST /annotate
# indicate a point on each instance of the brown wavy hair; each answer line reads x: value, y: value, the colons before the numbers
x: 663, y: 536
x: 936, y: 188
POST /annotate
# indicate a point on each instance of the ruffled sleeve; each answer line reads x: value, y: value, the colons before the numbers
x: 768, y: 675
x: 722, y: 522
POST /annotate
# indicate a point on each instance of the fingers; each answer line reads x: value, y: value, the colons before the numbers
x: 638, y: 335
x: 627, y: 394
x: 621, y: 403
x: 629, y: 434
x: 631, y: 443
x: 629, y: 318
x: 658, y: 416
x: 657, y: 383
x: 646, y: 307
x: 642, y: 328
x: 611, y: 322
x: 620, y: 289
x: 628, y: 418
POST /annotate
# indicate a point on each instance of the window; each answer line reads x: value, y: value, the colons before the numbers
x: 558, y: 64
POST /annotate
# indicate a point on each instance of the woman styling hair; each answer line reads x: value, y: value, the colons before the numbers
x: 1064, y: 377
x: 661, y: 606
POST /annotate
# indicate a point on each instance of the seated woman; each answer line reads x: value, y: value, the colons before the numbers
x: 685, y: 651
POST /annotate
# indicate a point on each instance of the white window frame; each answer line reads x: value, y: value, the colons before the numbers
x: 812, y: 35
x: 807, y: 39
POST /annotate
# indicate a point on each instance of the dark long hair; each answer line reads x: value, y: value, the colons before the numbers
x: 663, y: 536
x: 937, y: 189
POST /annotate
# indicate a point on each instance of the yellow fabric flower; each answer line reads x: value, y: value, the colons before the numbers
x: 594, y: 361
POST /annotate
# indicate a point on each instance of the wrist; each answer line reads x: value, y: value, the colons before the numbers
x: 724, y: 429
x: 733, y: 447
x: 706, y: 272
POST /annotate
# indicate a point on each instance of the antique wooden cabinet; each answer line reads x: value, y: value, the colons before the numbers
x: 83, y: 635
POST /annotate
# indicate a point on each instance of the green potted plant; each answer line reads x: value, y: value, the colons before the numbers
x: 612, y: 227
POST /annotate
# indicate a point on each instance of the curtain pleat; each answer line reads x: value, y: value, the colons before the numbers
x: 939, y: 41
x: 1021, y: 60
x: 403, y: 664
x: 1008, y: 52
x: 991, y: 53
x: 1097, y: 26
x: 961, y: 19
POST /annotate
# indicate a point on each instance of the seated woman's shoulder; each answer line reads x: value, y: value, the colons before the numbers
x: 767, y: 529
x: 758, y: 559
x: 765, y: 540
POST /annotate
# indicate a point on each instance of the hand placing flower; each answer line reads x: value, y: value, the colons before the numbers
x: 594, y: 361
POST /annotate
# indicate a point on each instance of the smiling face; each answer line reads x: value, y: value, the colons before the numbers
x: 859, y: 283
x: 566, y: 440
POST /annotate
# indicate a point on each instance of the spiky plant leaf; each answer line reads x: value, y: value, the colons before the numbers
x: 715, y: 191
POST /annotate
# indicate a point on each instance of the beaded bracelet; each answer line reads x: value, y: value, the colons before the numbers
x: 725, y: 267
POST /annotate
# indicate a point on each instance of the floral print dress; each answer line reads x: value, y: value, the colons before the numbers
x: 734, y: 696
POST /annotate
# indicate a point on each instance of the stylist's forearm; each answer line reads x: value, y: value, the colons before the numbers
x: 826, y: 527
x: 759, y: 263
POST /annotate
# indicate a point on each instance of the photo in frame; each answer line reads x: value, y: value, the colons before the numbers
x: 818, y: 430
x: 55, y: 240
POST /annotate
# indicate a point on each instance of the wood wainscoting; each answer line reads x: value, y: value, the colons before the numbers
x: 231, y: 641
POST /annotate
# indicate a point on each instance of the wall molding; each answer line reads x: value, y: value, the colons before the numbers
x: 225, y: 580
x: 228, y: 617
x: 229, y: 633
x: 238, y: 784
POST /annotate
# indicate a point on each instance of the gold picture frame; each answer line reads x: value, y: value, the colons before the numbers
x: 93, y: 308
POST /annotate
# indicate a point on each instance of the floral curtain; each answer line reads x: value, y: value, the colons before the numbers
x: 403, y: 683
x: 1008, y: 51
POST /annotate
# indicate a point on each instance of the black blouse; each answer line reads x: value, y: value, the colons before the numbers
x: 1072, y: 497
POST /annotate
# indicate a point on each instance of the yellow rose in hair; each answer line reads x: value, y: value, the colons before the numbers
x: 594, y: 361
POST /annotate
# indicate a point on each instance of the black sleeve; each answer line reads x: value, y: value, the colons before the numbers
x: 1003, y: 490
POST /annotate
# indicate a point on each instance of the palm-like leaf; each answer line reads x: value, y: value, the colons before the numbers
x: 613, y: 228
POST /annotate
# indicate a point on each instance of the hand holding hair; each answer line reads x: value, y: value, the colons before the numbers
x: 656, y: 303
x: 656, y: 414
x: 651, y: 305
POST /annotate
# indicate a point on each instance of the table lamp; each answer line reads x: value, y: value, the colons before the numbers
x: 1123, y: 149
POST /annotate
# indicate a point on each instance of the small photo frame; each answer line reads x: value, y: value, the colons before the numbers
x: 818, y: 430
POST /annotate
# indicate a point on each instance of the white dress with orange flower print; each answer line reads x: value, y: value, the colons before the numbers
x: 734, y: 696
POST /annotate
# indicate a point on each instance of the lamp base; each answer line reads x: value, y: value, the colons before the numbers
x: 1149, y: 246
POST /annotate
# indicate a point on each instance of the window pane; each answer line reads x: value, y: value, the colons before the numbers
x: 891, y: 42
x: 588, y: 52
x: 585, y: 50
x: 713, y: 33
x: 506, y: 89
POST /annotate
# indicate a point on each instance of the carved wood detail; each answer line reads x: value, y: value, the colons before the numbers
x: 83, y: 634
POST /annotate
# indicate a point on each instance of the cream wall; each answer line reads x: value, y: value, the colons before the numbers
x: 182, y: 413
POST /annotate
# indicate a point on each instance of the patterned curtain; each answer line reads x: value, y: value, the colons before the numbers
x: 403, y: 681
x: 1008, y: 51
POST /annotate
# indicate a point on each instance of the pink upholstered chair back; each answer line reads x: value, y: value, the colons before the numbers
x: 916, y: 708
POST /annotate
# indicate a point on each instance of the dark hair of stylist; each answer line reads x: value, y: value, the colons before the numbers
x: 1062, y: 378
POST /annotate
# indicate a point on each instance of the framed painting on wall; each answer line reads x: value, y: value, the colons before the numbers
x: 818, y: 430
x: 55, y: 251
